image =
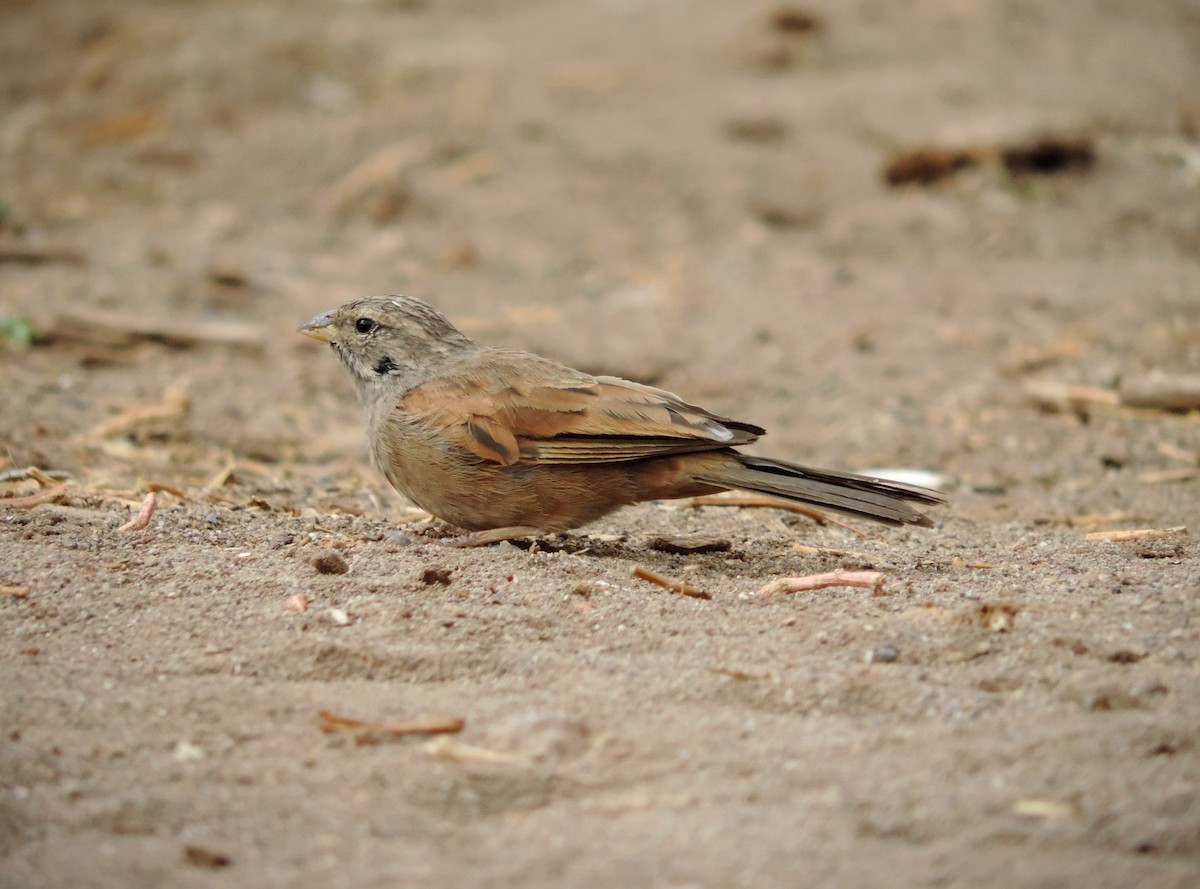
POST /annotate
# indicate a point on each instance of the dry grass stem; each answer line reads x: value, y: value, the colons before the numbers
x: 1043, y: 809
x: 1138, y: 534
x: 740, y: 675
x: 141, y: 521
x: 675, y: 586
x: 114, y: 330
x: 450, y: 749
x: 43, y: 479
x: 46, y: 496
x: 1055, y: 396
x: 1175, y: 452
x: 1169, y: 475
x: 331, y: 722
x: 1037, y: 358
x: 1164, y: 391
x: 166, y: 489
x: 1042, y: 156
x: 221, y: 478
x: 871, y: 580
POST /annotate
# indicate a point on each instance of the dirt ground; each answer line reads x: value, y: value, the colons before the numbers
x: 689, y: 193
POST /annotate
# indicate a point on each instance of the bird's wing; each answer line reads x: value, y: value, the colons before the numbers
x: 509, y: 407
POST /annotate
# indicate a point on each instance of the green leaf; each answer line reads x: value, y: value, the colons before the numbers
x: 17, y: 329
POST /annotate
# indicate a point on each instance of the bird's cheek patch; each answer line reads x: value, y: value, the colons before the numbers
x: 386, y: 366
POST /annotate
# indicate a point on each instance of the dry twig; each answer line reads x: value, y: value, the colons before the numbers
x: 221, y: 478
x: 112, y: 330
x: 44, y: 477
x: 1175, y: 452
x: 1138, y: 534
x: 1036, y: 358
x: 43, y: 480
x: 166, y: 489
x: 1043, y: 809
x: 448, y: 748
x: 331, y: 722
x: 202, y: 857
x: 17, y: 592
x: 142, y: 520
x: 1165, y: 391
x: 1169, y: 475
x: 675, y: 586
x: 1043, y: 156
x: 1054, y: 396
x: 740, y: 675
x: 872, y: 580
x: 46, y: 496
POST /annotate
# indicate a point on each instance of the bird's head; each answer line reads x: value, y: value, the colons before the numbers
x: 382, y: 338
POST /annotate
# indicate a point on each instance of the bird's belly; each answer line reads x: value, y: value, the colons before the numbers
x: 478, y: 496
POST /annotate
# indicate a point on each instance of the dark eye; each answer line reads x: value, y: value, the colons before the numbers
x: 365, y: 325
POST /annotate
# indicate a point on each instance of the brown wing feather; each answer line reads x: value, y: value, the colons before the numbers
x: 503, y: 411
x: 493, y: 441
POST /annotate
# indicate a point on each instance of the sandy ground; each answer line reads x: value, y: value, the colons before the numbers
x: 688, y: 193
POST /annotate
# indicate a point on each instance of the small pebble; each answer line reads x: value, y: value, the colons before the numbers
x: 198, y: 856
x: 435, y: 574
x: 1125, y: 656
x: 791, y: 20
x: 330, y: 562
x: 884, y: 654
x: 187, y: 752
x: 398, y: 538
x: 585, y: 588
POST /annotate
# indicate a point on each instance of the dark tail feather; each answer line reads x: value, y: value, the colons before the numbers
x: 859, y: 495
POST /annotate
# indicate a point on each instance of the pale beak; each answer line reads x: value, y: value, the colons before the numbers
x: 319, y: 328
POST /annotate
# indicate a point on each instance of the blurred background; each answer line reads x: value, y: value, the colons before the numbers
x: 846, y: 222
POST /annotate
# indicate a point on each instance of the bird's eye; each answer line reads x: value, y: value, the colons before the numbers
x: 365, y: 325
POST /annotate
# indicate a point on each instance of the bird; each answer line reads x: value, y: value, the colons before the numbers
x: 506, y: 444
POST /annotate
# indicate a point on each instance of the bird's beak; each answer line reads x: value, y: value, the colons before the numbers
x: 319, y: 328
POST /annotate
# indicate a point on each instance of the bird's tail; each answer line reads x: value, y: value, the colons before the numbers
x: 859, y: 495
